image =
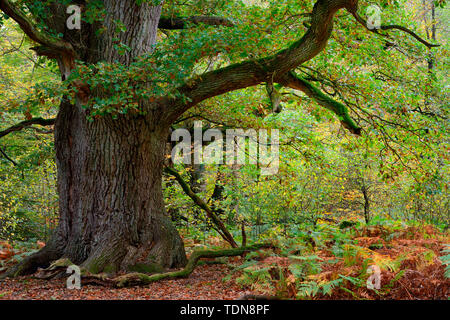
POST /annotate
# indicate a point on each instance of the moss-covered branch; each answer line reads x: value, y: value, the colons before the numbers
x: 252, y: 72
x: 59, y: 267
x: 132, y: 279
x: 295, y: 82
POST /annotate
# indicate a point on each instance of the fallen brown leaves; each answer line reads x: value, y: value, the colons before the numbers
x: 205, y: 283
x: 10, y: 256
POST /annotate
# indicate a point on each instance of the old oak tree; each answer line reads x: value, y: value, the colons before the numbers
x: 110, y: 137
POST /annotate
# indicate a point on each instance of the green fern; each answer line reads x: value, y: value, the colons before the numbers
x: 255, y: 278
x: 309, y: 289
x: 307, y: 265
x: 243, y: 266
x: 327, y: 288
x: 353, y: 280
x: 446, y: 260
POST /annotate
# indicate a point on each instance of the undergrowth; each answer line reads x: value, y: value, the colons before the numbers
x: 329, y: 262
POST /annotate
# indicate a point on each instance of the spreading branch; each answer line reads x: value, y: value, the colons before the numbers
x: 276, y: 68
x: 256, y: 71
x: 363, y: 22
x: 27, y: 123
x: 177, y: 23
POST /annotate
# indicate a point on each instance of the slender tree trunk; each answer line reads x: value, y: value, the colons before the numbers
x: 366, y: 204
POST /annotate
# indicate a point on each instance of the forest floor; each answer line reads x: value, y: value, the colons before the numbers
x: 411, y: 260
x: 205, y: 283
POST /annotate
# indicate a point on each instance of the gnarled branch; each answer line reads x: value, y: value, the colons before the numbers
x: 363, y: 22
x: 27, y: 123
x: 133, y: 279
x: 54, y: 44
x: 253, y: 72
x: 275, y: 68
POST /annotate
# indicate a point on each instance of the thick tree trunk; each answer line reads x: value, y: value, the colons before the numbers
x: 112, y: 214
x: 111, y: 202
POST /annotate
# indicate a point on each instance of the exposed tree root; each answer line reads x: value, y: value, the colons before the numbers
x: 58, y: 268
x: 30, y: 264
x: 133, y: 279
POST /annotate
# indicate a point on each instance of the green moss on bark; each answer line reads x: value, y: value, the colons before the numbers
x: 136, y: 278
x: 146, y: 268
